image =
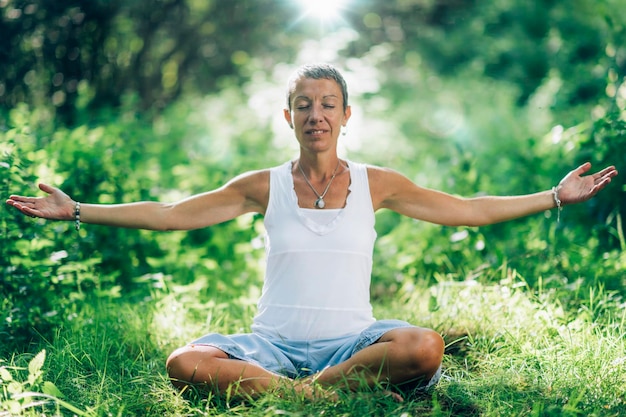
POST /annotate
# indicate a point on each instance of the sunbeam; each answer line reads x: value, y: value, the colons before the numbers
x: 328, y: 13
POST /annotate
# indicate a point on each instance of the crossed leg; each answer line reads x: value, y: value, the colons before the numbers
x: 402, y: 355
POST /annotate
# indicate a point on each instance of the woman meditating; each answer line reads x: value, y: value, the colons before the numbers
x: 314, y: 325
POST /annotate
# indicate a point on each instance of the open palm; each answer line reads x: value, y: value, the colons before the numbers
x: 55, y: 206
x: 576, y: 187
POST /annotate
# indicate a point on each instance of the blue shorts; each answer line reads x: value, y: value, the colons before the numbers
x: 297, y: 358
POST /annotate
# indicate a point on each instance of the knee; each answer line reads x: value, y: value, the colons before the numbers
x: 177, y: 366
x: 175, y: 360
x: 184, y: 364
x: 425, y: 348
x: 433, y: 348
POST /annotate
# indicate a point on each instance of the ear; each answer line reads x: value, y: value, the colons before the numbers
x: 287, y: 115
x: 347, y: 115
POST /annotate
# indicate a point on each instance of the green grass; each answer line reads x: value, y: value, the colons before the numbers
x: 511, y: 352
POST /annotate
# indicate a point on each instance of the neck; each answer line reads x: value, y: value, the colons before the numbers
x: 319, y: 168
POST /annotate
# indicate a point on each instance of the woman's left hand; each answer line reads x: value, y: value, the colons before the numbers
x: 576, y: 187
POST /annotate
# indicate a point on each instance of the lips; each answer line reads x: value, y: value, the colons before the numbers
x: 315, y: 132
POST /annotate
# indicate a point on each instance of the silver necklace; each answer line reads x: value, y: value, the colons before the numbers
x: 319, y: 203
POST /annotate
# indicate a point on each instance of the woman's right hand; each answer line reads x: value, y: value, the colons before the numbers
x: 55, y: 206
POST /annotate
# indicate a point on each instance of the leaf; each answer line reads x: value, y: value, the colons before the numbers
x: 14, y: 407
x: 5, y: 375
x: 14, y: 388
x: 50, y: 389
x: 35, y: 365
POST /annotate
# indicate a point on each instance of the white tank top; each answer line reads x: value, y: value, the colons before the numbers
x: 319, y: 263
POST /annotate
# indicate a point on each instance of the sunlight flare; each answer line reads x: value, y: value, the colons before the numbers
x: 325, y: 11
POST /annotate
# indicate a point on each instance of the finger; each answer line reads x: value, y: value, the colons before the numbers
x: 15, y: 202
x: 18, y: 198
x: 583, y: 168
x: 23, y: 208
x: 29, y: 212
x: 46, y: 188
x: 600, y: 185
x: 23, y: 201
x: 606, y: 171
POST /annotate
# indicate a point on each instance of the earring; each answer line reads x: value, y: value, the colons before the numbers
x: 344, y: 130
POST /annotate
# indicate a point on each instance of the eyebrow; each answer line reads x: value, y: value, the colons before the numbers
x: 323, y: 97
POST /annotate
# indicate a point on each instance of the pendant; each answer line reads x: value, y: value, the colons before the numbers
x: 319, y: 203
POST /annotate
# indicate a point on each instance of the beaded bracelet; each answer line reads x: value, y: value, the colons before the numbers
x: 77, y: 216
x: 557, y: 201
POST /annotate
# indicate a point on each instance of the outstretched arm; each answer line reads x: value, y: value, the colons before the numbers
x: 245, y: 193
x: 394, y: 191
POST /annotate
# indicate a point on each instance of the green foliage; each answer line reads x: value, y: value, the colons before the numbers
x: 605, y: 144
x: 26, y: 393
x: 112, y: 102
x: 30, y: 300
x: 511, y: 350
x: 50, y: 270
x: 521, y: 42
x: 82, y: 55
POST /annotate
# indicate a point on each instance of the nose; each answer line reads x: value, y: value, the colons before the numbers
x: 316, y: 114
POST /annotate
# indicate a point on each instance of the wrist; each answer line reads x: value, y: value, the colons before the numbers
x: 76, y: 216
x: 558, y: 204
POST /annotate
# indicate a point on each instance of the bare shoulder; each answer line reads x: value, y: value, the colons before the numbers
x: 253, y: 186
x: 378, y: 177
x: 257, y: 177
x: 384, y: 184
x: 375, y: 172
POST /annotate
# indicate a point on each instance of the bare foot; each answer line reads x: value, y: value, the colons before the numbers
x: 394, y: 395
x: 314, y: 391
